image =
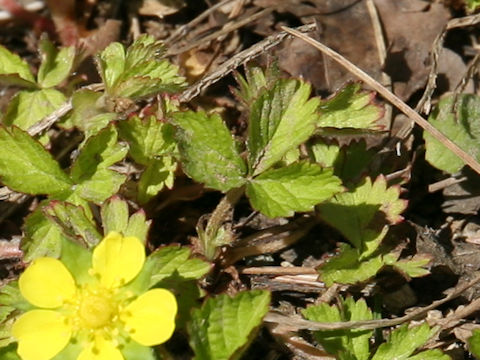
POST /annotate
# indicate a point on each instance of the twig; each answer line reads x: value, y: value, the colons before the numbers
x: 278, y: 270
x: 442, y: 184
x: 239, y: 59
x: 388, y: 95
x: 296, y: 324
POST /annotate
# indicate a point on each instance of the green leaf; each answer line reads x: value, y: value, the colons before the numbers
x: 347, y: 268
x: 430, y: 355
x: 350, y: 343
x: 29, y: 107
x: 12, y: 64
x: 351, y: 108
x: 27, y: 167
x: 160, y: 173
x: 78, y: 261
x: 10, y: 296
x: 474, y: 343
x: 56, y: 65
x: 138, y: 226
x: 167, y: 262
x: 403, y: 342
x: 112, y: 64
x: 459, y: 122
x: 280, y: 120
x: 95, y: 181
x: 362, y: 214
x: 223, y: 326
x: 9, y: 352
x: 131, y: 350
x: 254, y: 82
x: 297, y: 187
x: 414, y: 267
x: 472, y: 5
x: 114, y: 213
x: 208, y: 151
x: 148, y: 138
x: 73, y: 222
x: 88, y: 113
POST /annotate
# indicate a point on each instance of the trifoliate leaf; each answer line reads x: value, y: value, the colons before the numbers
x: 346, y: 343
x: 208, y: 151
x: 29, y: 107
x: 349, y: 268
x: 350, y: 108
x: 254, y: 82
x: 223, y: 326
x: 73, y: 222
x: 114, y: 214
x: 459, y: 121
x: 403, y: 341
x: 362, y: 214
x: 169, y: 261
x: 15, y: 69
x: 90, y: 171
x: 297, y: 187
x: 138, y: 226
x: 88, y: 113
x: 148, y: 138
x: 280, y: 119
x: 474, y: 343
x: 26, y: 166
x: 56, y: 65
x: 159, y: 174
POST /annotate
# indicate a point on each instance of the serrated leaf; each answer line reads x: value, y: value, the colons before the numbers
x: 362, y: 214
x: 350, y: 108
x: 26, y: 166
x: 148, y: 138
x: 159, y: 174
x: 403, y: 341
x: 415, y: 267
x: 112, y: 64
x: 222, y: 327
x: 73, y: 222
x: 114, y: 214
x: 29, y: 107
x: 88, y: 115
x: 297, y: 187
x: 56, y: 65
x: 254, y: 82
x: 12, y: 64
x: 90, y: 171
x: 348, y: 268
x: 138, y: 226
x: 461, y: 127
x: 280, y: 120
x: 346, y: 343
x: 208, y: 151
x: 167, y: 262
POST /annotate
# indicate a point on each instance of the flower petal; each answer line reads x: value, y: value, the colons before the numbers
x: 101, y: 349
x: 118, y: 259
x: 150, y: 319
x: 47, y: 283
x: 41, y: 334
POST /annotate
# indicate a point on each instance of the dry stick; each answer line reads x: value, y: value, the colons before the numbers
x: 388, y: 95
x: 299, y: 324
x: 232, y: 26
x: 239, y: 59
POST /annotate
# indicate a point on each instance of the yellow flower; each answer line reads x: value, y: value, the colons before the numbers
x: 98, y: 315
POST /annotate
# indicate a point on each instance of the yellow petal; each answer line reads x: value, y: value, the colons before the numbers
x: 118, y: 259
x: 150, y: 319
x: 100, y: 350
x: 47, y: 283
x: 41, y: 334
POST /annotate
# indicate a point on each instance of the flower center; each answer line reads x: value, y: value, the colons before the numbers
x: 96, y: 310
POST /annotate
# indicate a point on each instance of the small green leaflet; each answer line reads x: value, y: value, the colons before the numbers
x: 112, y: 64
x: 463, y: 128
x: 223, y: 326
x: 474, y: 343
x: 403, y: 341
x: 348, y: 268
x: 14, y: 70
x: 297, y: 187
x: 159, y: 174
x: 90, y: 171
x: 254, y: 82
x: 350, y: 108
x: 29, y: 107
x: 346, y: 344
x: 56, y: 65
x: 27, y: 167
x: 362, y: 214
x: 208, y: 151
x: 280, y: 119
